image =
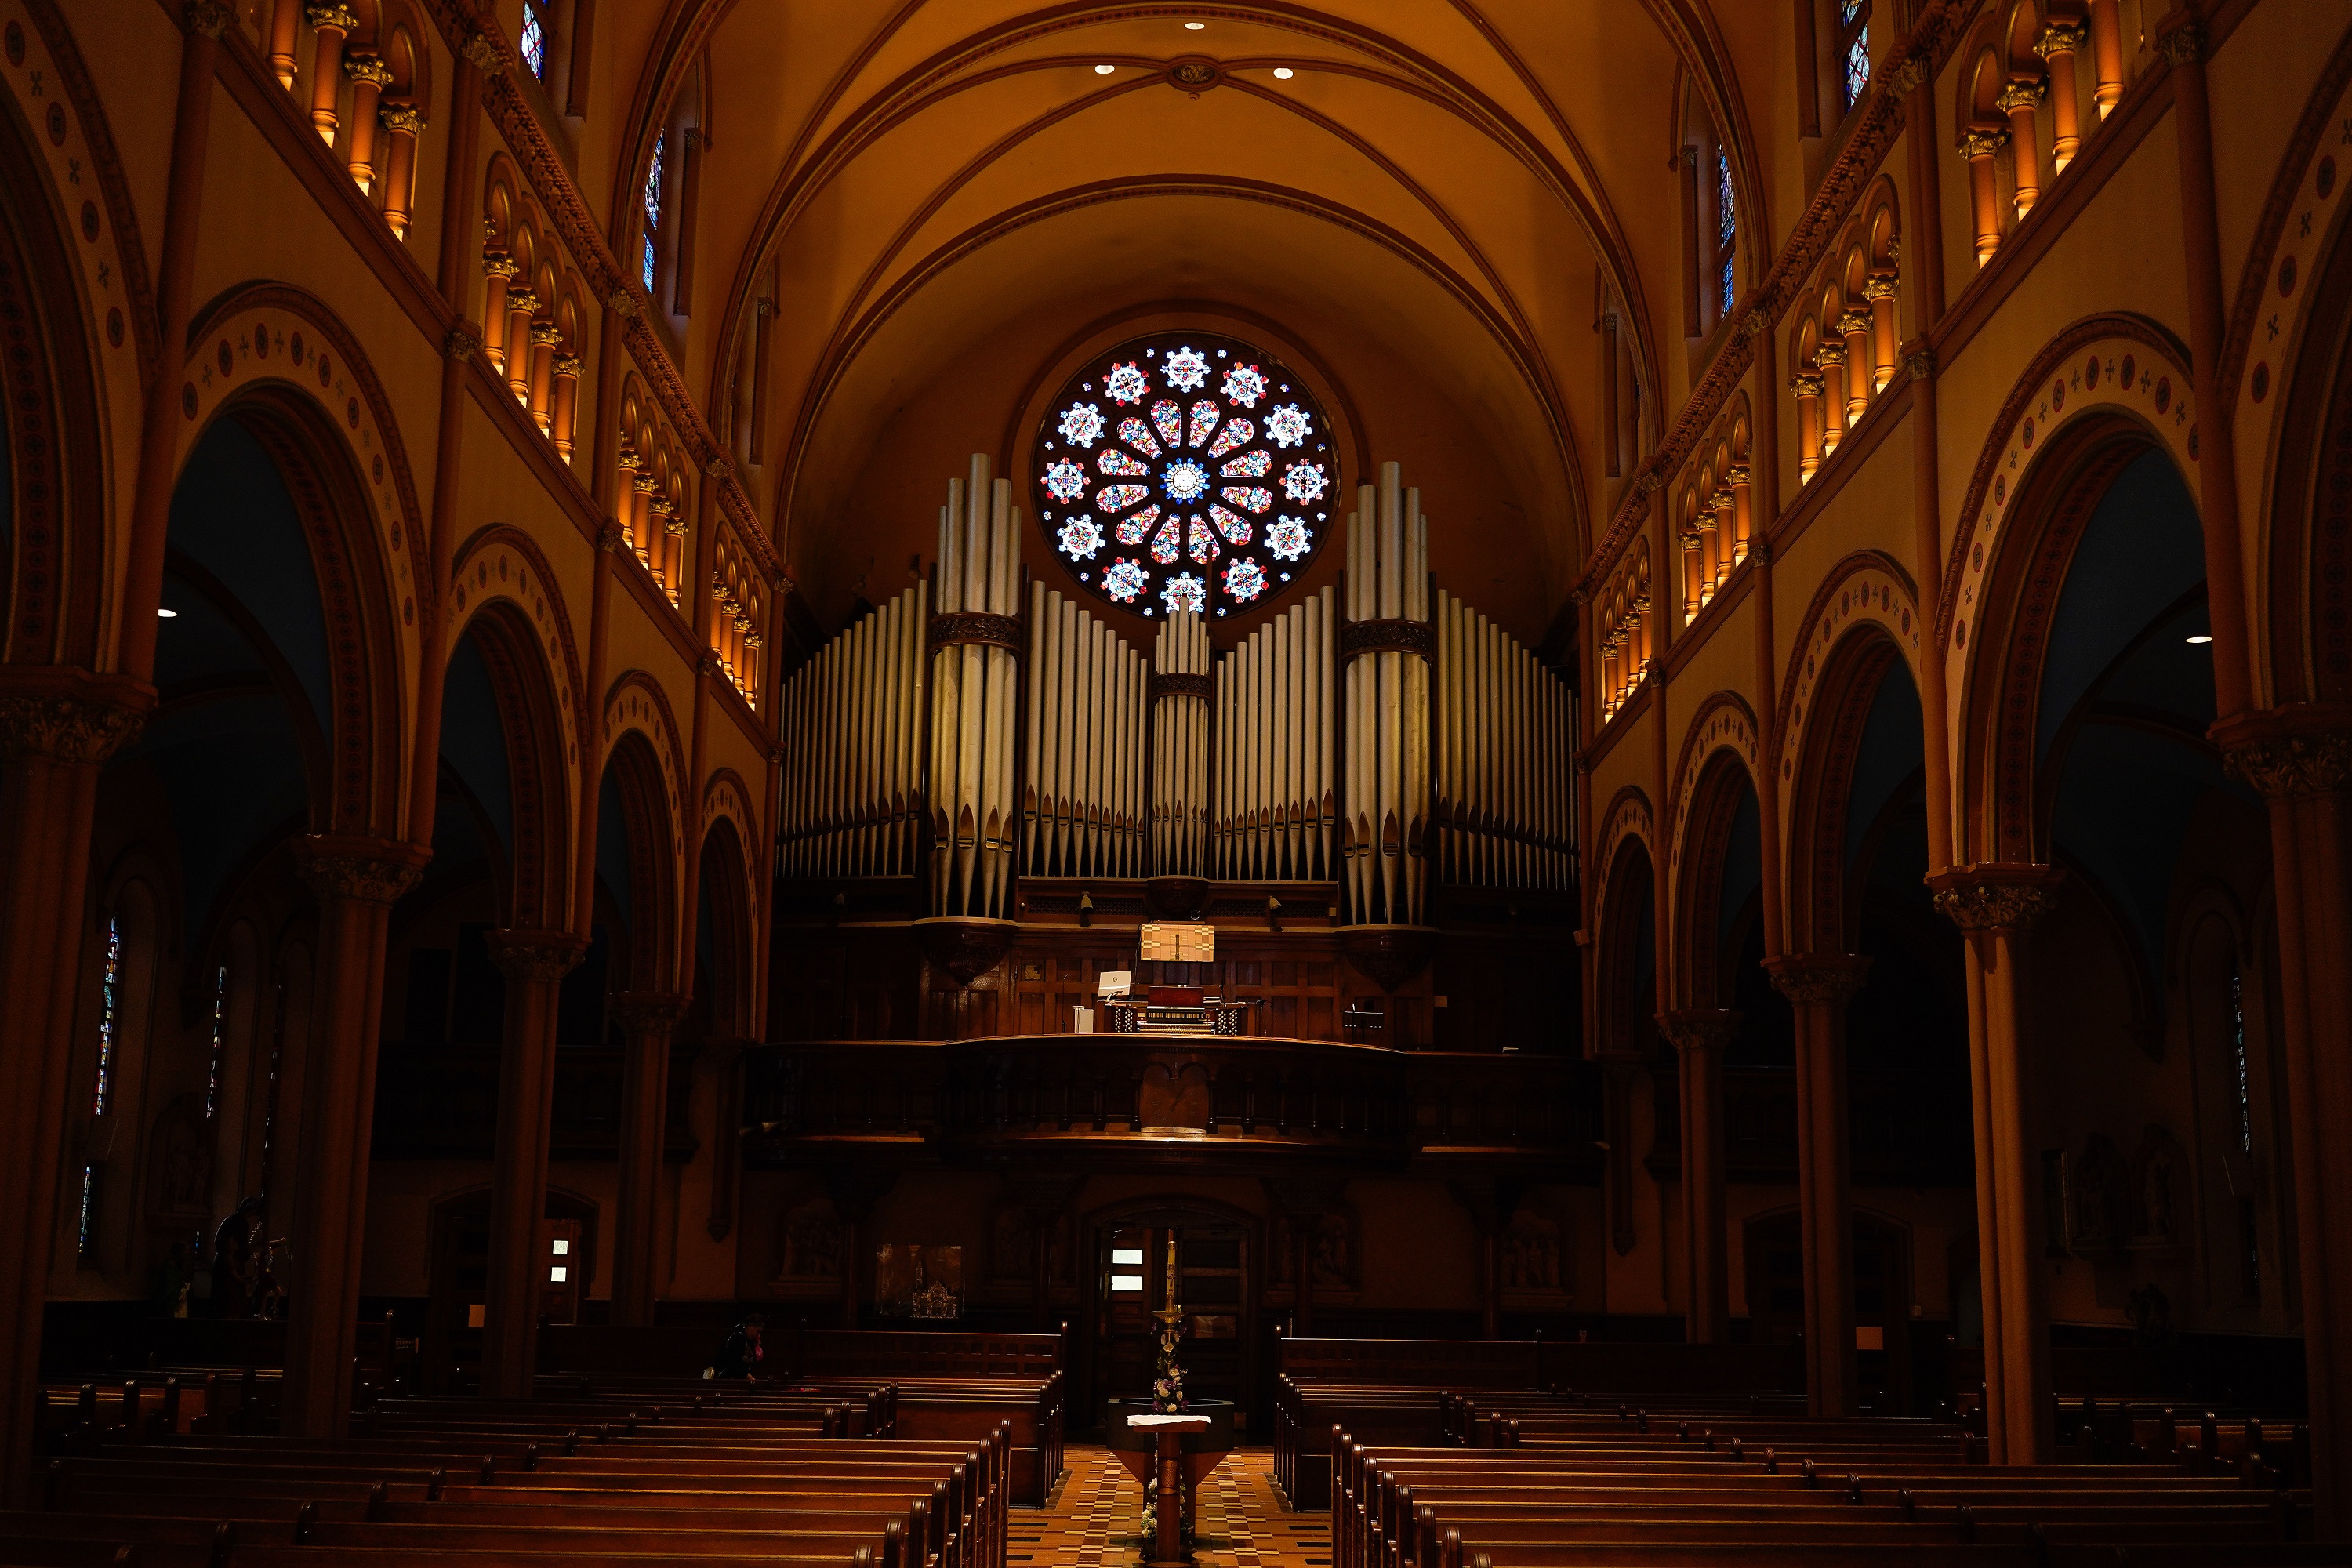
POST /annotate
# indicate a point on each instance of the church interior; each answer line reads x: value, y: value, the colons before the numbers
x: 1270, y: 783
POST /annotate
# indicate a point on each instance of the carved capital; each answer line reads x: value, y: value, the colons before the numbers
x: 2289, y: 753
x: 1831, y: 355
x: 1759, y: 550
x: 646, y: 1012
x: 499, y: 264
x: 523, y: 301
x: 1919, y: 362
x: 610, y: 536
x: 1806, y: 383
x: 402, y: 117
x: 2184, y: 42
x: 355, y: 868
x: 1994, y: 897
x: 68, y: 715
x: 569, y: 366
x: 2019, y: 95
x: 2060, y: 37
x: 482, y: 52
x: 210, y: 17
x: 461, y: 342
x: 1688, y: 539
x: 1826, y: 979
x: 1903, y: 76
x: 1737, y: 477
x: 719, y: 466
x: 545, y: 334
x: 1879, y: 286
x: 621, y: 302
x: 1978, y: 141
x: 541, y: 957
x: 331, y: 17
x: 1695, y: 1029
x: 369, y: 68
x: 1854, y: 320
x: 1752, y: 323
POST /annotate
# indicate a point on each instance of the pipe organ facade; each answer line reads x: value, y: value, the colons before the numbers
x: 1377, y: 738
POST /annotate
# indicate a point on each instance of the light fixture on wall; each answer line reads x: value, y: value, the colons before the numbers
x: 2201, y: 638
x: 1194, y: 26
x: 165, y: 615
x: 1105, y: 70
x: 1283, y: 73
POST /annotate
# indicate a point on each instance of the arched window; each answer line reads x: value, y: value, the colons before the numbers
x: 110, y: 1019
x: 1727, y: 232
x: 218, y: 1052
x: 1853, y: 54
x: 656, y: 172
x: 536, y: 43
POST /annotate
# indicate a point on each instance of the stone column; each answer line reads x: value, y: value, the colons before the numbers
x: 1700, y: 1035
x: 1980, y: 147
x: 331, y: 23
x: 2300, y: 758
x: 1818, y: 987
x: 356, y: 881
x: 58, y: 727
x: 1810, y: 388
x: 646, y: 1019
x: 2058, y: 45
x: 1995, y: 906
x: 534, y: 963
x: 2021, y: 100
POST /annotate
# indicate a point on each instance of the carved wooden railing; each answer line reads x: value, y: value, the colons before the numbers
x: 1161, y: 1096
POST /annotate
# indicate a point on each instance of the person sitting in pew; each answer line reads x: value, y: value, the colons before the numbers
x: 739, y: 1356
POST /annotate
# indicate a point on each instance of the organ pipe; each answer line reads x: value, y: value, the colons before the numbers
x: 1387, y: 810
x: 1180, y: 747
x: 974, y: 671
x: 850, y: 717
x: 1505, y: 742
x: 1274, y: 809
x: 1081, y: 814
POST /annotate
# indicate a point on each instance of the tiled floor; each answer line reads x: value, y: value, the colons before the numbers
x: 1096, y: 1520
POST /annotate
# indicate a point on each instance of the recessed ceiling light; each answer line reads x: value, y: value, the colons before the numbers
x: 163, y: 615
x: 1283, y: 73
x: 2202, y: 637
x: 1194, y: 26
x: 1105, y: 70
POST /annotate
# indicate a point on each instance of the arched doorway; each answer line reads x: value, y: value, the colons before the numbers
x: 1217, y: 1253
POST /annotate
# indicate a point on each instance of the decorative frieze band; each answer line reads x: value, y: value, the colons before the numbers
x: 1359, y: 637
x: 977, y: 626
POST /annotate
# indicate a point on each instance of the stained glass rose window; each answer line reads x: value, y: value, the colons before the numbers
x: 1185, y: 471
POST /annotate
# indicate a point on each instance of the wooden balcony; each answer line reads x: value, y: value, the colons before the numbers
x: 1233, y: 1105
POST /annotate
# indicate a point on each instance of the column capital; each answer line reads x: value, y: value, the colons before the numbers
x: 2060, y: 37
x: 1919, y: 358
x: 540, y: 956
x: 355, y: 868
x: 2183, y: 42
x: 1806, y: 383
x: 1695, y: 1029
x: 646, y: 1011
x: 1981, y: 141
x: 210, y: 17
x: 1817, y: 979
x: 68, y: 715
x: 1996, y: 896
x: 482, y: 52
x: 2292, y: 753
x: 2019, y: 95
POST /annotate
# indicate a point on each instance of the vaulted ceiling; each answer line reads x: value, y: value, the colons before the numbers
x: 950, y: 202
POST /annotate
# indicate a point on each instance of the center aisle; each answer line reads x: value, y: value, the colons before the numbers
x: 1096, y: 1520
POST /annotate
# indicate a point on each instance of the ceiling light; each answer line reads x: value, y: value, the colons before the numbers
x: 1105, y: 70
x: 164, y: 614
x: 1194, y: 26
x: 2202, y: 637
x: 1283, y: 73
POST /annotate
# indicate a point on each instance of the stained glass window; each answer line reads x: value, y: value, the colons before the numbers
x: 1853, y: 48
x: 1727, y: 232
x: 534, y: 40
x: 1185, y: 471
x: 220, y: 1042
x: 2238, y: 1051
x: 654, y: 172
x: 110, y: 990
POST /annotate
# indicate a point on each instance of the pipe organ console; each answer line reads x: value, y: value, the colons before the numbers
x: 1380, y: 745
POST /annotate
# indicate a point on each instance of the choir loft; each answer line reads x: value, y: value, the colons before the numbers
x: 1372, y: 784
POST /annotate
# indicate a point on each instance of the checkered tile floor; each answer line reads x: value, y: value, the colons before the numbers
x: 1096, y: 1520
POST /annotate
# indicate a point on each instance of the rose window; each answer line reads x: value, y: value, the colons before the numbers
x: 1186, y: 472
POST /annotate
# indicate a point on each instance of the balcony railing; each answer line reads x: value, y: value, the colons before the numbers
x: 1155, y: 1098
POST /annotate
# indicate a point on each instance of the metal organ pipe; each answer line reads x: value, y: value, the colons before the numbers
x: 1083, y: 744
x: 975, y: 682
x: 1387, y: 813
x: 849, y: 721
x: 1505, y: 742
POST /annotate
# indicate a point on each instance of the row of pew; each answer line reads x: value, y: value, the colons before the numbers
x: 1521, y: 1479
x: 777, y: 1474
